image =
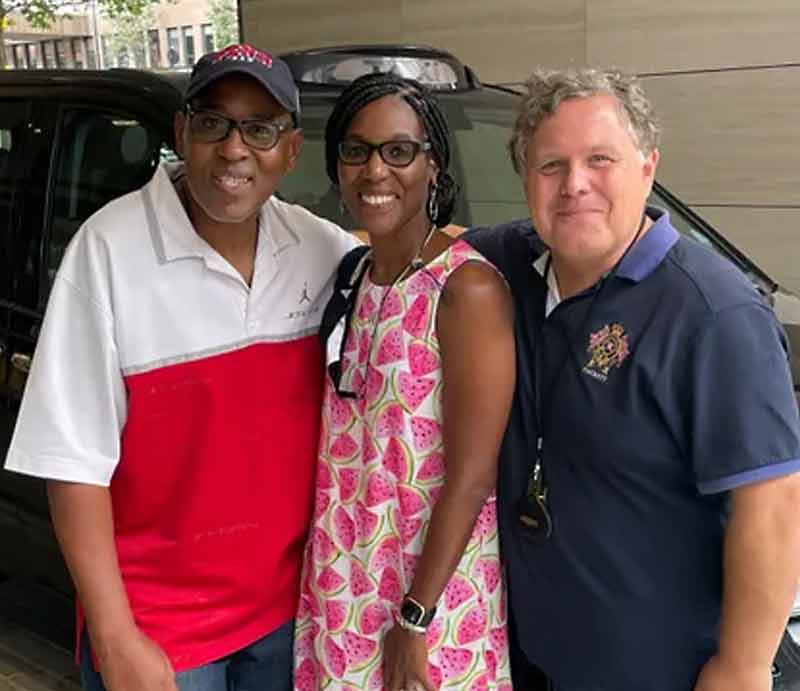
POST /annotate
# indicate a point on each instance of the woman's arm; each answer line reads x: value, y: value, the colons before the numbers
x: 475, y: 328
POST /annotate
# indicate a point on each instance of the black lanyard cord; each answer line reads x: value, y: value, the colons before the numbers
x: 536, y: 476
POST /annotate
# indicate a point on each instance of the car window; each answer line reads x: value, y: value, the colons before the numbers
x: 101, y: 156
x: 14, y: 119
x: 308, y: 184
x: 24, y: 152
x: 23, y: 155
x: 492, y: 190
x: 681, y: 223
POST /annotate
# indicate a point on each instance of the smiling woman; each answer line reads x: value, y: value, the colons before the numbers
x: 388, y: 192
x: 414, y: 411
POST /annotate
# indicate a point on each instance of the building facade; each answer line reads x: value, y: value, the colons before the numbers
x: 175, y: 36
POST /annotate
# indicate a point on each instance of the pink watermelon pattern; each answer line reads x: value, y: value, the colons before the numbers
x: 372, y: 618
x: 381, y: 470
x: 391, y: 347
x: 360, y: 582
x: 415, y: 321
x: 343, y: 447
x: 422, y: 360
x: 392, y: 305
x: 412, y: 390
x: 348, y: 484
x: 390, y: 421
x: 336, y: 614
x: 396, y: 458
x: 341, y: 415
x: 472, y: 626
x: 431, y: 469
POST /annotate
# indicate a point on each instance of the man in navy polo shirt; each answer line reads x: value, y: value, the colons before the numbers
x: 652, y: 544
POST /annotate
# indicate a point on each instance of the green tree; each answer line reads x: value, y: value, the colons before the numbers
x: 224, y: 22
x: 129, y: 29
x: 41, y: 13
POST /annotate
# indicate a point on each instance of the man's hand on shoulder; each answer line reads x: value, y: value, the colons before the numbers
x: 721, y: 675
x: 133, y: 662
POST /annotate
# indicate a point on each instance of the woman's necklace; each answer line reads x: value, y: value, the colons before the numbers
x: 415, y: 264
x: 416, y: 261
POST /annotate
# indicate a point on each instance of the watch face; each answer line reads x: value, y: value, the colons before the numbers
x: 412, y: 612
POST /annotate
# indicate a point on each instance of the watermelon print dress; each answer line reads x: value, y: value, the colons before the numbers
x: 380, y: 471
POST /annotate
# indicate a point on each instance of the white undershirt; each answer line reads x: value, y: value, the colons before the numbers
x: 553, y: 294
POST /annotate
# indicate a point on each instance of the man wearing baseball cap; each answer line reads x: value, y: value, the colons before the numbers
x: 174, y: 397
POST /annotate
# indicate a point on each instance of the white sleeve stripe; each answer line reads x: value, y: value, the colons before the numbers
x: 55, y: 468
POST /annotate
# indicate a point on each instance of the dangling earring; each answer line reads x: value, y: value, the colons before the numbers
x: 342, y: 208
x: 433, y: 202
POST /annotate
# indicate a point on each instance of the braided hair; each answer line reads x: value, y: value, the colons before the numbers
x: 371, y: 87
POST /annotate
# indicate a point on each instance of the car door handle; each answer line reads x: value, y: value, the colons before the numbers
x: 18, y: 374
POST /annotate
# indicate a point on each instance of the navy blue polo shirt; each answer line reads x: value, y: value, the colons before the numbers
x: 662, y: 388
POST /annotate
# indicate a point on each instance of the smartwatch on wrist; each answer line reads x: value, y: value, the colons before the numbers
x: 414, y: 614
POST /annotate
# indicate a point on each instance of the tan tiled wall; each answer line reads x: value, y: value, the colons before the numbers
x: 731, y: 146
x: 725, y: 75
x: 648, y: 36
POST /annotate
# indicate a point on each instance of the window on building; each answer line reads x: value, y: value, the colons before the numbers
x: 34, y: 59
x: 188, y: 45
x: 49, y: 55
x: 91, y: 57
x: 77, y: 53
x: 154, y: 48
x: 63, y: 57
x: 139, y: 51
x: 208, y: 38
x: 123, y: 57
x: 19, y: 56
x: 173, y: 47
x: 108, y: 58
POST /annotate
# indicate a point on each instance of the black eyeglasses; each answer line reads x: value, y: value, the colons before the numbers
x: 209, y: 127
x: 397, y: 153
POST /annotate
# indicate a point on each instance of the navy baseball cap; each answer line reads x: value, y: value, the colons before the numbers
x: 272, y: 73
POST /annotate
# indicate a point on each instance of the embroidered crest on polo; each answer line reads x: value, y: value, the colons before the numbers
x: 244, y: 53
x: 608, y: 348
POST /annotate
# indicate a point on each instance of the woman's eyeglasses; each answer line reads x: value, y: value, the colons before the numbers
x: 397, y: 153
x: 210, y: 127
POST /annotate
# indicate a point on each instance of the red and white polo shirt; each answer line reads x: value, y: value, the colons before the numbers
x: 196, y: 398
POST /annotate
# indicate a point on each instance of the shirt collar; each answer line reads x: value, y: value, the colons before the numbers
x: 650, y: 250
x: 642, y: 259
x: 553, y: 294
x: 173, y: 234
